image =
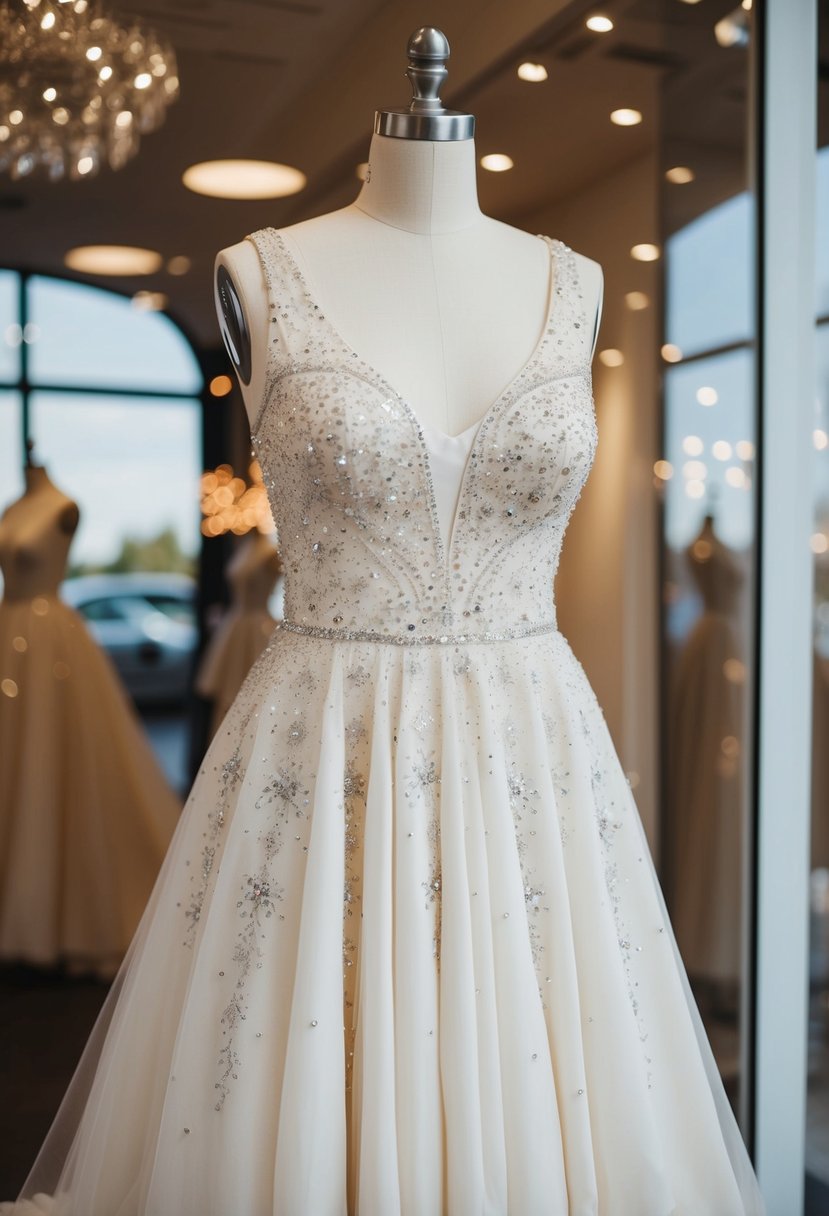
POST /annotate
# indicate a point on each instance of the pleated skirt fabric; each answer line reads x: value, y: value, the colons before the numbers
x: 407, y: 956
x: 86, y: 814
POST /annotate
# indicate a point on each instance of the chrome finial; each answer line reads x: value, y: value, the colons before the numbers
x: 425, y: 117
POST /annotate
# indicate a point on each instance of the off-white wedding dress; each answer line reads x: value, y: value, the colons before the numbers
x: 408, y: 952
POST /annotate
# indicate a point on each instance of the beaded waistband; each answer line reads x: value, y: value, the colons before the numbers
x: 411, y: 639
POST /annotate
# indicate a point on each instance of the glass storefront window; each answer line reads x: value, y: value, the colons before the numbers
x: 89, y: 337
x: 11, y: 476
x: 10, y: 332
x: 709, y: 286
x: 132, y: 465
x: 706, y: 474
x: 131, y: 461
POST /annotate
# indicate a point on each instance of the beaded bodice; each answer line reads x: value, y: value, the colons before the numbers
x: 348, y: 473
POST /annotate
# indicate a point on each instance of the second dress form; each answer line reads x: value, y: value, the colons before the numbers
x: 85, y: 812
x: 706, y: 770
x: 242, y: 633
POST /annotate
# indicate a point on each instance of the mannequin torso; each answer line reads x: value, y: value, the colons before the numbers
x: 35, y: 535
x: 446, y: 303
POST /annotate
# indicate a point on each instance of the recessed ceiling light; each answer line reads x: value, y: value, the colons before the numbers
x: 671, y: 353
x: 680, y: 175
x: 179, y: 265
x: 243, y: 179
x: 113, y: 259
x: 611, y: 357
x: 707, y: 395
x: 149, y: 301
x: 599, y: 24
x: 534, y: 72
x: 636, y: 300
x: 626, y: 118
x: 732, y: 30
x: 496, y: 162
x: 645, y: 253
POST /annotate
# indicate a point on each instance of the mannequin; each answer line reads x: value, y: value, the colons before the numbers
x: 35, y: 532
x: 706, y: 770
x: 444, y: 301
x: 241, y: 635
x: 85, y: 811
x: 373, y: 976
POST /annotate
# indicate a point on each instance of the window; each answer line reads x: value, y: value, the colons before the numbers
x: 109, y: 394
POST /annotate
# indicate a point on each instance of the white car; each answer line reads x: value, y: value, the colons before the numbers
x: 147, y: 625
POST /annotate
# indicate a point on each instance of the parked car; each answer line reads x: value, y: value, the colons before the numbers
x: 147, y: 625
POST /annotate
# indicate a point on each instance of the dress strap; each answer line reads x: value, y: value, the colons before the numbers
x: 288, y: 316
x: 569, y: 324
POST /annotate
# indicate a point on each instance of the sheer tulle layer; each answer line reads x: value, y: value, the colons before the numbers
x: 85, y: 813
x: 407, y: 954
x: 239, y: 640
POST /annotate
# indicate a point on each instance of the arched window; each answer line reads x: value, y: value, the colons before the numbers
x: 110, y: 395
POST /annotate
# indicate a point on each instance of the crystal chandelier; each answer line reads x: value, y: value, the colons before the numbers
x: 78, y: 87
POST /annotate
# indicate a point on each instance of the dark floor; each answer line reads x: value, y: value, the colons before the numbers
x: 45, y: 1019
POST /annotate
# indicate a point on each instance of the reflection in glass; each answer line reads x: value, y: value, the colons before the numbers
x: 707, y: 746
x: 708, y: 563
x: 708, y: 482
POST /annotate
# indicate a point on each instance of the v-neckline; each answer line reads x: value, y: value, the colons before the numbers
x: 556, y: 287
x: 553, y: 272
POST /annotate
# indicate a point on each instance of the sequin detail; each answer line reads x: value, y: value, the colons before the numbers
x: 347, y: 469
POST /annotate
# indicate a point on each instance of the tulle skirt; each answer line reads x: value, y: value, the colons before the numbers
x: 85, y: 812
x: 407, y: 955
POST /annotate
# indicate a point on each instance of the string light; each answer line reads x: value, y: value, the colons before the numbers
x: 231, y: 504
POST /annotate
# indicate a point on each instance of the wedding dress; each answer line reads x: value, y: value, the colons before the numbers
x: 408, y: 952
x: 707, y: 730
x: 244, y: 630
x: 86, y: 814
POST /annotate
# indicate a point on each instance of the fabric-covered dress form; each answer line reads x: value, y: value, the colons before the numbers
x: 243, y: 632
x: 85, y: 812
x: 408, y: 952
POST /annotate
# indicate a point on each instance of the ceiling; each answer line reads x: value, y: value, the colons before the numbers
x: 298, y: 81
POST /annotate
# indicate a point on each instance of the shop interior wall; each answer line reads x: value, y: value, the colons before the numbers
x: 607, y: 590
